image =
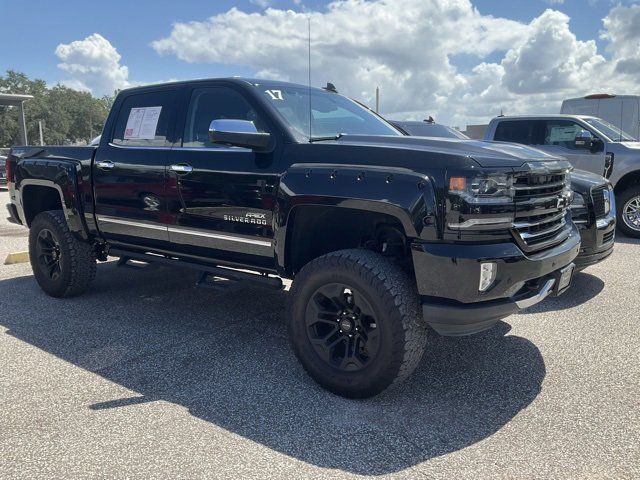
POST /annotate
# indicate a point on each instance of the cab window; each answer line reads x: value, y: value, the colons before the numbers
x: 561, y: 133
x: 215, y: 103
x: 517, y: 131
x: 143, y: 119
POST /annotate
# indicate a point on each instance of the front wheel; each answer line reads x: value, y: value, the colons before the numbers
x: 62, y: 265
x: 628, y: 204
x: 355, y: 323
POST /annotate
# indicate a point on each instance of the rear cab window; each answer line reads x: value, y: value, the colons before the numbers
x: 144, y: 119
x: 517, y: 131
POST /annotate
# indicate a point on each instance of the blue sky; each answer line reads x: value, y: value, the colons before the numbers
x: 131, y: 27
x: 31, y: 32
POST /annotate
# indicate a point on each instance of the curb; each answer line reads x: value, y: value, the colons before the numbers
x: 17, y: 257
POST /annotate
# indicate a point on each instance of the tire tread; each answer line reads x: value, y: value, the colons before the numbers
x: 81, y: 255
x: 401, y: 300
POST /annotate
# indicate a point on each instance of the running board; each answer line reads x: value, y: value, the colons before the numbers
x: 127, y: 262
x: 207, y: 280
x: 213, y: 271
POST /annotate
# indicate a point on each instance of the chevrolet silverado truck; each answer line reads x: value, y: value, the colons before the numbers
x: 593, y: 208
x: 590, y: 144
x: 248, y: 180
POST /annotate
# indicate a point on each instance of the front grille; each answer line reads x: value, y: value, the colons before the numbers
x: 541, y: 210
x: 535, y: 185
x: 597, y: 195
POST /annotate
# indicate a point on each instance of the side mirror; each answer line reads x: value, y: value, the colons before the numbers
x: 238, y: 133
x: 583, y: 139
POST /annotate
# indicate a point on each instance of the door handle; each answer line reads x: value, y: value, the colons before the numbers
x: 105, y: 165
x: 181, y: 168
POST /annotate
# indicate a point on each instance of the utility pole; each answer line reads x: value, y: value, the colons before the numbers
x: 23, y: 124
x: 377, y: 99
x: 40, y: 128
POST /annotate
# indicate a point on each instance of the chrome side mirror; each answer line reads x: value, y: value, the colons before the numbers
x: 238, y: 133
x: 583, y: 139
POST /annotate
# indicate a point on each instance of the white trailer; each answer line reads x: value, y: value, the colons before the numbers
x: 623, y: 111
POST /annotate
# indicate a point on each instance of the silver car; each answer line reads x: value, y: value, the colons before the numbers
x: 589, y: 143
x: 3, y: 170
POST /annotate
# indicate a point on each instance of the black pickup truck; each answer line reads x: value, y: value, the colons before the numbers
x: 252, y: 180
x: 593, y: 208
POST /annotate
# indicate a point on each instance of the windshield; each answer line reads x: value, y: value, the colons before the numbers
x: 331, y: 114
x: 611, y: 131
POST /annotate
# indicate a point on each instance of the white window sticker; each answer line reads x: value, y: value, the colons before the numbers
x: 563, y: 134
x: 275, y: 94
x: 142, y: 123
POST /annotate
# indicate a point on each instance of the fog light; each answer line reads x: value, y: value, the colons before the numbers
x: 487, y: 275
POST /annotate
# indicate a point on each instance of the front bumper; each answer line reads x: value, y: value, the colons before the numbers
x: 597, y: 241
x: 448, y: 275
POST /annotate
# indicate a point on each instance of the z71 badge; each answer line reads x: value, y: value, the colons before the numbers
x: 249, y: 217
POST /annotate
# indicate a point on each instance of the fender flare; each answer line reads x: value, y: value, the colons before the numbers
x: 60, y: 175
x: 406, y: 195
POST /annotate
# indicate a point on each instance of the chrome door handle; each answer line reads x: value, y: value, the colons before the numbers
x: 105, y: 165
x: 181, y: 168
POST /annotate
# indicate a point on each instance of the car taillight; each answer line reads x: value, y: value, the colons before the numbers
x: 7, y: 166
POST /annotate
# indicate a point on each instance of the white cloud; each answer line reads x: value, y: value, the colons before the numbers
x: 396, y: 44
x: 622, y: 30
x: 93, y: 64
x: 412, y: 49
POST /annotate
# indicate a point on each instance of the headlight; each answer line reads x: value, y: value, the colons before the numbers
x: 483, y: 189
x: 578, y: 207
x: 608, y: 195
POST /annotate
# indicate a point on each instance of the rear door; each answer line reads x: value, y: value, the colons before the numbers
x: 129, y: 169
x: 221, y: 198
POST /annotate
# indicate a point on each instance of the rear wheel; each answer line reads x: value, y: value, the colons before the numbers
x: 62, y: 265
x: 355, y: 324
x: 628, y: 204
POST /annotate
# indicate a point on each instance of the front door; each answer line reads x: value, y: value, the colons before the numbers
x: 558, y: 138
x: 129, y: 170
x: 221, y: 199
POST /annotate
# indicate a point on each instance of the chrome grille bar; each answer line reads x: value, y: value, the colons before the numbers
x: 540, y: 222
x: 547, y: 231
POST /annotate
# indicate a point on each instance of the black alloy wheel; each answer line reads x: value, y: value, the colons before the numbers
x: 355, y: 322
x: 48, y: 254
x: 342, y: 327
x: 62, y: 264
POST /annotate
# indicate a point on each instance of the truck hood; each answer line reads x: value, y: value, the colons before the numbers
x: 630, y: 145
x: 487, y: 154
x: 582, y: 181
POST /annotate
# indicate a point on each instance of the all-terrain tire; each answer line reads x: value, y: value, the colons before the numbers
x: 388, y: 293
x: 76, y: 259
x: 622, y: 199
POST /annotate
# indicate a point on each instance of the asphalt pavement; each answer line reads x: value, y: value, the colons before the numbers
x: 147, y: 376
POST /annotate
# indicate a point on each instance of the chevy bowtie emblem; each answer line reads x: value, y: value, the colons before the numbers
x: 562, y: 202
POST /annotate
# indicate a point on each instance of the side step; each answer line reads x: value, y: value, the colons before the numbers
x: 210, y: 273
x: 207, y: 280
x: 127, y: 262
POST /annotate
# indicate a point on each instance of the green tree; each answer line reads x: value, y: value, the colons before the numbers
x: 69, y: 116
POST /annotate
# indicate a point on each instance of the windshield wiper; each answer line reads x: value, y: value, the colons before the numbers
x: 324, y: 139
